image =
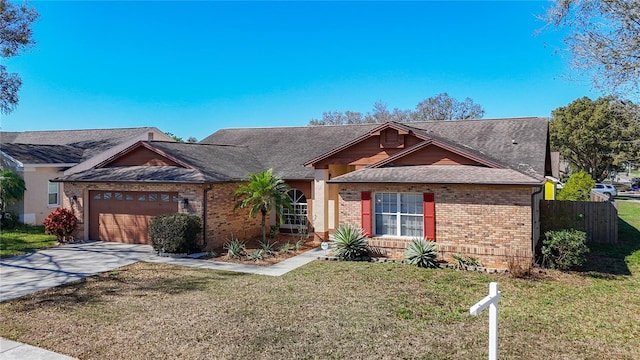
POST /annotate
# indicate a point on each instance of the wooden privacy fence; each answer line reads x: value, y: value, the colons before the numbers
x: 598, y: 219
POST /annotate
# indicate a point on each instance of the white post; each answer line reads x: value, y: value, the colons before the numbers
x: 493, y: 321
x: 490, y: 301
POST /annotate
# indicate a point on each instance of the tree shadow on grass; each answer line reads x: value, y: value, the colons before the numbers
x: 609, y: 260
x: 102, y: 287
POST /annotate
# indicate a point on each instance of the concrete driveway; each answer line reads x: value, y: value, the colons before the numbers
x: 30, y: 273
x: 48, y: 268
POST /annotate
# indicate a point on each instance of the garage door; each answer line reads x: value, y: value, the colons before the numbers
x: 124, y: 216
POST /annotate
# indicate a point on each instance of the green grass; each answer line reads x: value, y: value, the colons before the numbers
x: 340, y: 310
x: 23, y: 240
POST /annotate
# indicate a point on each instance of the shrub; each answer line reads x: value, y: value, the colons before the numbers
x: 349, y: 243
x: 9, y: 220
x: 236, y: 249
x: 577, y: 188
x: 175, y: 233
x: 61, y: 223
x: 519, y: 267
x: 421, y: 253
x: 564, y: 249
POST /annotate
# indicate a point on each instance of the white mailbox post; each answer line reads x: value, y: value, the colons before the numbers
x: 491, y: 301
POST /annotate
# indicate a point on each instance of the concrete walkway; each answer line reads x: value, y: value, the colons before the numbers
x: 30, y: 273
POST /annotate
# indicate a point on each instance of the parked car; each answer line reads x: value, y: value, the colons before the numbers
x: 607, y: 190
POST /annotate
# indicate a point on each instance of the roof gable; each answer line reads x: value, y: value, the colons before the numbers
x: 393, y: 143
x: 378, y: 143
x: 141, y: 154
x: 431, y: 153
x: 162, y: 162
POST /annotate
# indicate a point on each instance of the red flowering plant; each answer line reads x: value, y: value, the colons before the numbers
x: 61, y: 223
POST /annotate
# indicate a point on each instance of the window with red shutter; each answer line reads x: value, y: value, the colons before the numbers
x: 365, y: 199
x: 429, y: 212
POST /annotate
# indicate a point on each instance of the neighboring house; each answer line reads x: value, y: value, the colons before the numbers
x: 472, y: 186
x: 39, y: 156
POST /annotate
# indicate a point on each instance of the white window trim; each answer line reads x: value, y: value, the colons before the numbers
x: 49, y: 193
x: 295, y: 204
x: 398, y: 214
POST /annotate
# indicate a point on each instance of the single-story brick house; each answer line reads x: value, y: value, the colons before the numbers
x: 472, y: 186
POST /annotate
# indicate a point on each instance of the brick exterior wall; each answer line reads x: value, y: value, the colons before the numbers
x: 490, y: 223
x: 222, y: 220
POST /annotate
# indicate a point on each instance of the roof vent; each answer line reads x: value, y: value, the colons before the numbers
x: 514, y: 142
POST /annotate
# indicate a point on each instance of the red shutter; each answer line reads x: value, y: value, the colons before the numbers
x: 429, y: 213
x: 365, y: 199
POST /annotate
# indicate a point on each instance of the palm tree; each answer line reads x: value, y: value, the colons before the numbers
x: 262, y: 193
x: 12, y: 189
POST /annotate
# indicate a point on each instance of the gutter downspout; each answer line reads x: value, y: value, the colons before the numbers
x: 205, y: 200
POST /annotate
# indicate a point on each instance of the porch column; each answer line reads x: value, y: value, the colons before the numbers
x: 320, y: 218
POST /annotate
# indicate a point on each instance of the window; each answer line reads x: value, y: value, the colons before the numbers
x: 398, y: 214
x: 53, y: 192
x: 295, y: 217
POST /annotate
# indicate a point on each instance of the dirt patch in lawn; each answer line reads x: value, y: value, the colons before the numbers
x: 296, y: 246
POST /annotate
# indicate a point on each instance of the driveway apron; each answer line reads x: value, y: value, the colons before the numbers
x: 48, y: 268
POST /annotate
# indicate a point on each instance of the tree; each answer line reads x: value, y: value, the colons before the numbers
x: 603, y: 38
x: 596, y: 135
x: 15, y: 36
x: 578, y: 187
x: 12, y: 188
x: 439, y: 107
x: 262, y: 193
x: 444, y: 107
x: 176, y: 138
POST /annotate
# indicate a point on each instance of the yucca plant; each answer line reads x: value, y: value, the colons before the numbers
x: 235, y: 248
x: 349, y: 243
x: 422, y: 253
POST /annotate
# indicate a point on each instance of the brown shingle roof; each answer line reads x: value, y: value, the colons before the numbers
x: 63, y: 146
x: 516, y: 143
x: 286, y: 149
x: 207, y: 164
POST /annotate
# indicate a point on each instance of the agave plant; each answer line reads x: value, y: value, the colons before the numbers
x: 235, y: 248
x: 422, y: 253
x: 269, y: 248
x: 257, y: 255
x: 349, y: 243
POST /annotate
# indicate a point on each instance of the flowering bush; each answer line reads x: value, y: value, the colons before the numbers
x: 61, y: 223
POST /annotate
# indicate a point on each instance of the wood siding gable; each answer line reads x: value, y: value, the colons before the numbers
x: 142, y: 154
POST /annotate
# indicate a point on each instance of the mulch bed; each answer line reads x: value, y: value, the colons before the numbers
x: 279, y: 240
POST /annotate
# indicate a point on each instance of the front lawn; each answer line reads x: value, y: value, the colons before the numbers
x: 336, y: 310
x: 24, y: 239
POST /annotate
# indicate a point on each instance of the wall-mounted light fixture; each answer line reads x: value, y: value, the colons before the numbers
x: 184, y: 203
x: 74, y: 199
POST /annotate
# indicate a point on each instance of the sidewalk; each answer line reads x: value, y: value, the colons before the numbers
x: 30, y: 273
x: 10, y: 350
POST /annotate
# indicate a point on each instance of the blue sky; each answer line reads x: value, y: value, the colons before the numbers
x: 191, y: 68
